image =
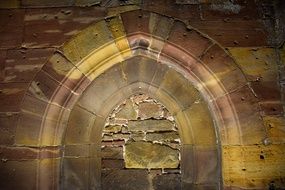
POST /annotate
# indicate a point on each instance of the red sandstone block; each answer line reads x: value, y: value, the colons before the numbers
x: 107, y: 163
x: 244, y: 100
x: 272, y: 108
x: 170, y: 8
x: 34, y: 105
x: 59, y: 68
x: 12, y: 27
x: 221, y: 64
x: 43, y: 86
x: 46, y: 88
x: 61, y: 23
x: 136, y: 21
x: 11, y: 95
x: 28, y: 129
x: 185, y: 59
x: 247, y: 113
x: 11, y: 16
x: 8, y: 123
x: 238, y: 33
x: 217, y: 59
x: 267, y: 90
x: 189, y: 40
x: 2, y: 64
x: 18, y: 174
x: 21, y: 65
x: 64, y: 97
x: 43, y: 33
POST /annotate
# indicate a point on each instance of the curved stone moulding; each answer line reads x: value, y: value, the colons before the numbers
x: 110, y: 42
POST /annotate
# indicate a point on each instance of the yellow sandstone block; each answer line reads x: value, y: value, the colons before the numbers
x: 256, y: 62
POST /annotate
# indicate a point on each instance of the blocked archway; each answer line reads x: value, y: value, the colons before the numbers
x: 200, y: 63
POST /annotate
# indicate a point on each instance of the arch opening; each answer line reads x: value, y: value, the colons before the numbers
x: 199, y: 148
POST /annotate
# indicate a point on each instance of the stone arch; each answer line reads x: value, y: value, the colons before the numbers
x: 59, y: 85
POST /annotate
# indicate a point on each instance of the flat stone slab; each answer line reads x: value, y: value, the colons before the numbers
x: 163, y: 136
x: 148, y: 155
x: 125, y: 180
x: 151, y: 125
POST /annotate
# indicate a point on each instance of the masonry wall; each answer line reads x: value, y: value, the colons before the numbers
x: 251, y: 31
x: 140, y: 147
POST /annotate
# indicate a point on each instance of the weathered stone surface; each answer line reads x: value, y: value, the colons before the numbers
x: 224, y: 68
x: 113, y: 164
x: 162, y: 136
x: 134, y: 21
x: 216, y: 10
x: 121, y: 9
x: 112, y: 152
x: 160, y: 26
x: 260, y: 164
x: 189, y: 40
x: 91, y: 38
x: 112, y: 128
x: 266, y: 90
x: 224, y: 31
x: 150, y: 125
x: 149, y: 155
x: 8, y: 123
x: 275, y: 128
x: 149, y: 110
x: 179, y: 88
x: 247, y: 109
x: 21, y: 65
x: 120, y: 137
x: 139, y: 69
x: 128, y: 111
x: 256, y: 63
x: 201, y: 123
x: 167, y: 181
x: 271, y: 108
x: 9, y: 4
x: 137, y: 136
x: 12, y: 27
x: 11, y: 95
x: 79, y: 126
x: 76, y: 150
x: 171, y: 8
x: 75, y: 173
x: 63, y: 71
x: 14, y: 174
x: 206, y: 165
x: 125, y: 179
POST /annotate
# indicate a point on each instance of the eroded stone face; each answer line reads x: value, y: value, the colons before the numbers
x: 148, y: 155
x: 128, y: 111
x: 150, y: 125
x: 149, y: 110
